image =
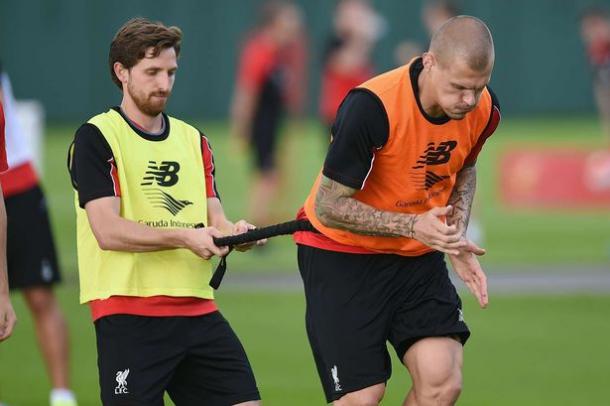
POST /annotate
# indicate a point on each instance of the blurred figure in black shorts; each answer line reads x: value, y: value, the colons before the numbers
x: 270, y: 81
x: 32, y: 261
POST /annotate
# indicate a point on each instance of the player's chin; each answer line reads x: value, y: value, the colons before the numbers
x: 158, y: 103
x: 457, y: 115
x: 154, y: 109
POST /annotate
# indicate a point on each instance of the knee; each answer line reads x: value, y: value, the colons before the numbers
x: 40, y: 300
x: 451, y: 391
x: 370, y: 396
x: 444, y: 391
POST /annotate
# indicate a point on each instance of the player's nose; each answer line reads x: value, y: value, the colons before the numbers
x: 164, y: 83
x: 469, y: 99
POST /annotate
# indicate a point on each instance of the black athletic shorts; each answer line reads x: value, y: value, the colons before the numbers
x: 197, y: 360
x: 30, y: 249
x: 358, y: 302
x: 265, y: 133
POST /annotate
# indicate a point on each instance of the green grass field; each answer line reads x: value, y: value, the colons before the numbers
x: 550, y: 350
x: 524, y: 351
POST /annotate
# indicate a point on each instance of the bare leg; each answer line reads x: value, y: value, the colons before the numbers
x: 602, y: 98
x: 435, y: 365
x: 264, y: 191
x: 52, y: 333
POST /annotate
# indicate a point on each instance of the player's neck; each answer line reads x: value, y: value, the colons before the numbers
x: 147, y: 123
x: 426, y: 99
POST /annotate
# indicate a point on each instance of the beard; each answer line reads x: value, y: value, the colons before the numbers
x: 151, y: 104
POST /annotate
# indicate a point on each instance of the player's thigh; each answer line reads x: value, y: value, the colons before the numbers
x: 435, y: 362
x: 430, y: 306
x: 137, y: 356
x: 216, y: 370
x: 347, y: 318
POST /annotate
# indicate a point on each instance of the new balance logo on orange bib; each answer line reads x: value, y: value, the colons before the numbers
x: 416, y: 168
x: 436, y: 155
x: 433, y: 155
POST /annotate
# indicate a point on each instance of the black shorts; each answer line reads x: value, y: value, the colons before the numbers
x: 358, y: 302
x: 197, y: 360
x: 264, y: 135
x: 30, y: 250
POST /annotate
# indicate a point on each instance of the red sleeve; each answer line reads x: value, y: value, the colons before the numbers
x: 3, y: 162
x: 256, y: 62
x: 599, y: 52
x: 492, y: 124
x: 209, y: 168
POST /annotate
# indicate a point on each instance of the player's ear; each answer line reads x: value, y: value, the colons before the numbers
x: 121, y: 72
x: 429, y: 60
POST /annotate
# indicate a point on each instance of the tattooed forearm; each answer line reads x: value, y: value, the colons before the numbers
x: 336, y: 208
x: 462, y: 196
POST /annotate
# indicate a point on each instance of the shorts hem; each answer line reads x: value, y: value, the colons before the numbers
x: 16, y: 286
x: 354, y: 388
x: 248, y: 397
x: 402, y: 348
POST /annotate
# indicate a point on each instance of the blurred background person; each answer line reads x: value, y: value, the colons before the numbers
x: 31, y: 256
x: 436, y: 12
x: 595, y: 32
x: 433, y: 14
x: 270, y: 82
x: 405, y: 51
x: 347, y: 58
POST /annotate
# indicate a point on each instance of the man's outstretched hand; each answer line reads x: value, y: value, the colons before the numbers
x: 466, y: 265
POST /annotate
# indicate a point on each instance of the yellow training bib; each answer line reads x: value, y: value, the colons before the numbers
x: 162, y: 184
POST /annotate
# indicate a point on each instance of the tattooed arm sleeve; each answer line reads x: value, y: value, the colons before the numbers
x: 462, y: 196
x: 336, y: 208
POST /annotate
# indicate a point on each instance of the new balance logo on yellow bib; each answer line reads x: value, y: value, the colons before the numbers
x: 163, y: 175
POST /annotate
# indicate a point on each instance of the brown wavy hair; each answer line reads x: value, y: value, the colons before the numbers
x: 135, y: 37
